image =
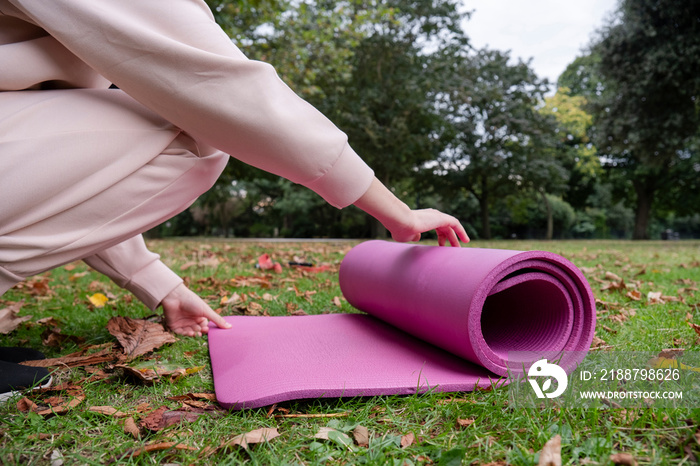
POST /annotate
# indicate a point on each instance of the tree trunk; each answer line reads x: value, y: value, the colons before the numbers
x: 550, y: 216
x: 645, y: 196
x: 485, y: 217
x: 484, y: 208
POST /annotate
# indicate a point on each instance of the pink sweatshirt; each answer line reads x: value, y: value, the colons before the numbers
x: 172, y: 57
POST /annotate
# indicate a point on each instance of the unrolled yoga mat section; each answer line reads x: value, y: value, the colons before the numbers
x: 435, y: 318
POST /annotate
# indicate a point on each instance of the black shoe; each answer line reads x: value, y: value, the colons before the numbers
x: 12, y: 354
x: 15, y: 377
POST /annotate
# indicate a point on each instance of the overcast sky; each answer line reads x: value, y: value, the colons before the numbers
x: 551, y: 32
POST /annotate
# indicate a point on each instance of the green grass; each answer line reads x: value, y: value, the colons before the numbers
x: 499, y: 432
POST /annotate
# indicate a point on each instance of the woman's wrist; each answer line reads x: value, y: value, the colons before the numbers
x: 379, y: 202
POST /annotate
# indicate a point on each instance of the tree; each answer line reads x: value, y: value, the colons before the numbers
x: 388, y: 105
x: 649, y: 64
x: 574, y: 149
x: 498, y: 136
x: 366, y: 65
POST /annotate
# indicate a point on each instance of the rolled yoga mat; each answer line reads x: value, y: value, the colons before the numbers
x: 435, y: 319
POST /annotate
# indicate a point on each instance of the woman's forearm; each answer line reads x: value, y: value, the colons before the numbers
x: 406, y: 224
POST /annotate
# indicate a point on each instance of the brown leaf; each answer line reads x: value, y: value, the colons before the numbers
x: 361, y: 436
x: 253, y: 309
x: 612, y: 277
x: 76, y: 276
x: 177, y: 416
x: 670, y: 353
x: 131, y: 428
x: 614, y: 286
x: 138, y: 337
x: 551, y: 452
x: 194, y: 396
x: 336, y: 301
x: 54, y: 338
x: 634, y: 295
x: 157, y: 447
x: 105, y: 355
x: 203, y: 405
x: 25, y: 405
x: 154, y: 420
x: 9, y: 319
x: 49, y: 322
x: 254, y: 436
x: 598, y: 342
x: 108, y: 411
x: 407, y: 440
x: 62, y: 408
x: 149, y: 375
x: 37, y: 286
x: 624, y: 459
x: 695, y: 327
x: 465, y: 422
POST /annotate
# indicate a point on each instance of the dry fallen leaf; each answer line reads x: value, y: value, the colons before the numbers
x: 157, y: 447
x: 597, y: 342
x: 654, y: 297
x: 131, y: 428
x: 154, y: 420
x: 98, y: 299
x: 624, y: 459
x: 76, y: 359
x: 551, y: 452
x: 194, y: 396
x: 407, y: 440
x: 54, y: 404
x: 254, y: 436
x: 695, y: 327
x: 138, y: 337
x: 361, y: 435
x: 76, y: 276
x: 149, y: 373
x: 465, y: 422
x: 634, y: 295
x: 54, y: 338
x: 108, y: 411
x: 9, y: 319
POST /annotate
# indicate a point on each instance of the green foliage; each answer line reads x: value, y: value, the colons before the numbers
x: 497, y: 135
x: 529, y: 216
x: 464, y: 130
x: 649, y: 63
x: 581, y: 77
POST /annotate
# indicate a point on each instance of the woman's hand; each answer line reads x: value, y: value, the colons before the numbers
x: 447, y: 227
x: 187, y: 314
x: 406, y: 224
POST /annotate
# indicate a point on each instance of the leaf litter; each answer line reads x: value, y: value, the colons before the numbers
x: 616, y: 312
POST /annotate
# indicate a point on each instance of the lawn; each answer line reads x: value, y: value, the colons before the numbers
x: 647, y: 295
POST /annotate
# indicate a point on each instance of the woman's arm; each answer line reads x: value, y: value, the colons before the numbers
x: 406, y: 224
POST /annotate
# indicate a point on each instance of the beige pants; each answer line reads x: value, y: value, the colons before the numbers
x: 84, y: 170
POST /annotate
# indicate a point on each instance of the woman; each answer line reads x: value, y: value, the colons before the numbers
x: 85, y: 169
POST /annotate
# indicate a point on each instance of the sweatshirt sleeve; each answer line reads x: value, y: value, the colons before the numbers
x: 171, y: 56
x: 133, y: 267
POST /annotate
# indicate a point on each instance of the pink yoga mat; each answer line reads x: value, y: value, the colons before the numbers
x: 435, y: 319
